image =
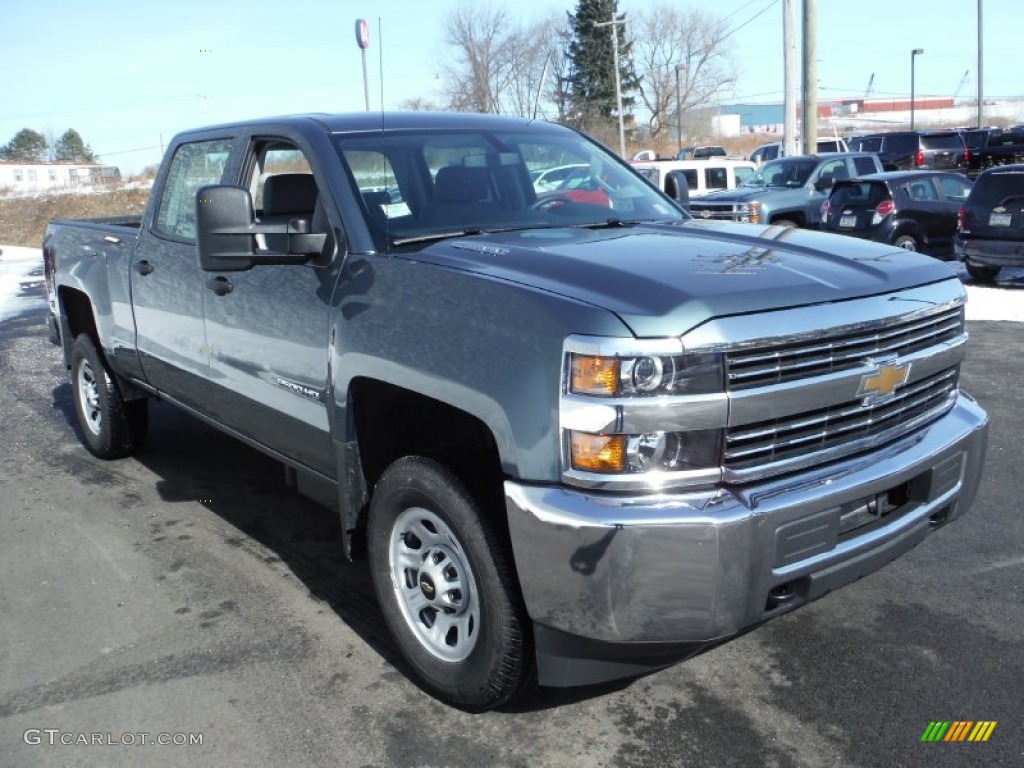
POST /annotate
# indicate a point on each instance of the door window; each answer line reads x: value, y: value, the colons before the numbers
x: 953, y: 190
x: 194, y: 165
x: 716, y: 178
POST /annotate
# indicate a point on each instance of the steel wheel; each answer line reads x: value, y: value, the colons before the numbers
x: 446, y: 584
x: 89, y: 395
x: 434, y: 585
x: 906, y: 242
x: 112, y: 427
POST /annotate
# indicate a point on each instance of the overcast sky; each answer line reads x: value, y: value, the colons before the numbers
x: 128, y: 75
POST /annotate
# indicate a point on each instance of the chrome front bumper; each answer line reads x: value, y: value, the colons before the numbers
x: 699, y: 567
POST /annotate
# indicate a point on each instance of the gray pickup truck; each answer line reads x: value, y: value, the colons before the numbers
x: 787, y: 192
x: 578, y: 438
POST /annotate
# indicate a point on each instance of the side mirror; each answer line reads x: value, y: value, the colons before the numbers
x: 678, y: 189
x: 227, y: 228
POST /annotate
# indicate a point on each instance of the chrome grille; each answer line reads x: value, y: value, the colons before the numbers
x: 721, y: 211
x: 843, y: 428
x: 789, y: 361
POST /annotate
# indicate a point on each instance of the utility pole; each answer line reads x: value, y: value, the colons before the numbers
x: 788, y: 68
x: 679, y: 115
x: 810, y: 80
x: 614, y: 24
x: 913, y: 58
x: 981, y: 71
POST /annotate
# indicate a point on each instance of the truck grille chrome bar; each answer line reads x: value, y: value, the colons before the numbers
x: 787, y: 362
x: 842, y: 428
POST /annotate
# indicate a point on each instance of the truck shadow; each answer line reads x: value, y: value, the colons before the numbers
x: 271, y: 522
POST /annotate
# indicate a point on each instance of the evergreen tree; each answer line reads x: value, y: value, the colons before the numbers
x: 591, y: 79
x: 71, y: 148
x: 27, y: 146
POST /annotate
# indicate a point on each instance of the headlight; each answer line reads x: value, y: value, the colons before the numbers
x: 749, y: 212
x: 641, y: 414
x: 687, y: 374
x: 649, y: 452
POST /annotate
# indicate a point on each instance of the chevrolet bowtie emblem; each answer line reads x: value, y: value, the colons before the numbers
x: 881, y: 385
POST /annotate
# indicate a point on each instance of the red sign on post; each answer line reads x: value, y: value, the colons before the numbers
x: 362, y: 34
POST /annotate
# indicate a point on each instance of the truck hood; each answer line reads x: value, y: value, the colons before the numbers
x: 663, y: 280
x: 744, y: 194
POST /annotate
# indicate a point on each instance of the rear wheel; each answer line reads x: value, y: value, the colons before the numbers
x: 982, y: 274
x: 906, y: 242
x: 112, y: 427
x: 446, y: 585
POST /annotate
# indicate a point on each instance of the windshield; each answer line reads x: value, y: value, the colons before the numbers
x: 419, y: 185
x: 785, y: 172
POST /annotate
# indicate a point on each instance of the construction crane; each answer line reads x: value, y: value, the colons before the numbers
x: 959, y: 88
x: 870, y: 88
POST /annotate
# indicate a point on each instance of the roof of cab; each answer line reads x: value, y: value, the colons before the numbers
x: 393, y: 121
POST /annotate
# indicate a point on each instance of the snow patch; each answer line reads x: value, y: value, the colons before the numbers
x: 21, y: 270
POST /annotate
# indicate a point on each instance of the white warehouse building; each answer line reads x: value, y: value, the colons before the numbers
x: 36, y: 177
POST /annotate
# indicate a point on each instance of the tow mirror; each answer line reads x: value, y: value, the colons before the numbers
x: 227, y: 232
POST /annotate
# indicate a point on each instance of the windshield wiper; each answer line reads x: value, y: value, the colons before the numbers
x: 468, y: 231
x: 607, y: 224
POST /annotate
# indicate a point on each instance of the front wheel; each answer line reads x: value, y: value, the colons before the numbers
x: 113, y: 428
x: 446, y: 586
x: 982, y: 274
x: 784, y: 223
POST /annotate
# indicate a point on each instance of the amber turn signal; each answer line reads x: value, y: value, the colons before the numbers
x: 598, y: 453
x: 593, y: 375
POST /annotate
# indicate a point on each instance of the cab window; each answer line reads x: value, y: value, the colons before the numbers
x: 194, y: 165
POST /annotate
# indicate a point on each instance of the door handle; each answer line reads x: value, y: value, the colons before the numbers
x: 220, y: 285
x: 143, y: 267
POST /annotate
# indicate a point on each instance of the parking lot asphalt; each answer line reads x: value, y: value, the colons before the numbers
x: 188, y: 593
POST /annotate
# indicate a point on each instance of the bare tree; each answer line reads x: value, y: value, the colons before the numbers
x: 418, y: 104
x: 691, y: 43
x: 498, y: 66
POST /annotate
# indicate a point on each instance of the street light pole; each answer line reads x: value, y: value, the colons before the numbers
x: 913, y: 59
x: 614, y: 24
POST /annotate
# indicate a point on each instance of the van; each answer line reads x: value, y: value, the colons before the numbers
x: 702, y: 176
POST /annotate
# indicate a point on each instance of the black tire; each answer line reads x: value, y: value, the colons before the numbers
x: 982, y: 274
x: 112, y: 427
x: 784, y: 223
x: 422, y: 514
x: 907, y: 243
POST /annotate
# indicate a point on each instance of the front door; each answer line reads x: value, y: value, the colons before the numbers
x: 268, y: 334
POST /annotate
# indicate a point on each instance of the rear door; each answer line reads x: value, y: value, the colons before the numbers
x: 953, y: 192
x: 995, y: 207
x: 268, y: 328
x: 167, y: 292
x: 927, y: 210
x: 943, y: 151
x: 852, y: 206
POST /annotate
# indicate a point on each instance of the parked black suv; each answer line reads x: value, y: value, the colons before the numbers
x: 996, y: 147
x: 915, y: 210
x: 915, y: 150
x: 991, y: 226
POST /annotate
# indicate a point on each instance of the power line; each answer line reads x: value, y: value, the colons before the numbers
x: 764, y: 10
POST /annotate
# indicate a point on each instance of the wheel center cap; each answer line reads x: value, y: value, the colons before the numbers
x: 427, y: 587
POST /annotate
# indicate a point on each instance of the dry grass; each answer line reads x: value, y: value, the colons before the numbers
x: 23, y: 220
